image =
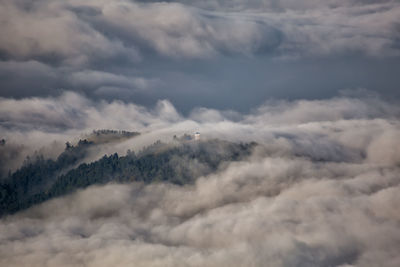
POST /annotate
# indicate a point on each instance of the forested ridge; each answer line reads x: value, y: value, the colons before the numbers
x: 179, y: 162
x: 28, y: 184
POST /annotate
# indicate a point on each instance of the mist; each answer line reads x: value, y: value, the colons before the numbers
x: 321, y: 188
x: 297, y: 103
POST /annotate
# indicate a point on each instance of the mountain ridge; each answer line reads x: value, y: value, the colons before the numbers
x: 179, y: 162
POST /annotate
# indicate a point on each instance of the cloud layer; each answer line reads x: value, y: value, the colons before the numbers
x: 198, y: 53
x: 321, y: 190
x: 78, y: 34
x: 323, y: 126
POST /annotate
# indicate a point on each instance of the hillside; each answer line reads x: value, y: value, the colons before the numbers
x: 180, y: 162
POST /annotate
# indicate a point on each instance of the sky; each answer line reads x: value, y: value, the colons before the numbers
x: 314, y: 82
x: 217, y: 54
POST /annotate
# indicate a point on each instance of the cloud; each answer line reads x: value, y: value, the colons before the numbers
x: 36, y: 122
x: 101, y: 80
x: 104, y: 30
x: 50, y: 32
x: 217, y: 54
x: 337, y: 129
x: 285, y: 211
x: 320, y: 190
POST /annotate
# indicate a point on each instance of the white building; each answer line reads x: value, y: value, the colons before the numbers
x: 196, y: 136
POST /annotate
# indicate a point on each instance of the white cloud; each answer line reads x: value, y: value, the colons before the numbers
x: 78, y: 34
x: 285, y: 211
x: 320, y: 191
x: 338, y: 129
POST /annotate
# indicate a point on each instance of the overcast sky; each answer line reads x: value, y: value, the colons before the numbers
x: 216, y: 53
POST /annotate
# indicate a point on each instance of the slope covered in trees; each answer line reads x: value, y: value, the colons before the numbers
x: 179, y: 163
x: 37, y: 175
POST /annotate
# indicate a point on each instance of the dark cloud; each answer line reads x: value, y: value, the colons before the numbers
x: 273, y: 5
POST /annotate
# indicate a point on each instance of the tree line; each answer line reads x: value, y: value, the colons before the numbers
x: 40, y: 179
